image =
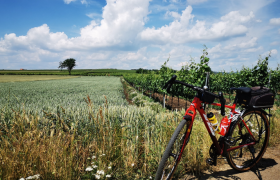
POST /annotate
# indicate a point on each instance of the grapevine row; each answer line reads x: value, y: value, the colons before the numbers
x: 194, y: 74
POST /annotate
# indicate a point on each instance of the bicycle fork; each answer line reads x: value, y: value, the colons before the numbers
x: 189, y: 117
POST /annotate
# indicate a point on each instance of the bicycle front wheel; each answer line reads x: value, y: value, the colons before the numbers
x: 173, y: 153
x: 244, y: 158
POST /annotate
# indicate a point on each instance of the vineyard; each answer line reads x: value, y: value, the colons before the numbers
x: 195, y: 73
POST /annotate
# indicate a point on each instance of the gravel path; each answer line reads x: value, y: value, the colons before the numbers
x: 269, y: 168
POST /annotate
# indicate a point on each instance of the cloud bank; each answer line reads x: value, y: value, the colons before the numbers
x: 121, y: 39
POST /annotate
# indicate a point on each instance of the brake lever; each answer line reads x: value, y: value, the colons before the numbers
x: 168, y: 85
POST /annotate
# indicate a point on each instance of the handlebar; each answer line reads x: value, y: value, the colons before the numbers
x: 168, y: 85
x: 220, y: 96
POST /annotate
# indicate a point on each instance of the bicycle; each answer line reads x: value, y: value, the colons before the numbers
x: 247, y: 134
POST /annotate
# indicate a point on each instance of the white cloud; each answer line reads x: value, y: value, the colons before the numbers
x: 258, y: 20
x: 191, y: 2
x: 36, y: 38
x: 245, y: 44
x: 275, y: 21
x: 173, y: 14
x: 272, y: 52
x: 122, y: 21
x: 93, y: 15
x: 84, y: 2
x: 180, y: 30
x: 250, y: 50
x: 68, y: 1
x: 118, y: 38
x: 274, y: 43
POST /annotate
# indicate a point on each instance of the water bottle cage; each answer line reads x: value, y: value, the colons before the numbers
x: 217, y: 127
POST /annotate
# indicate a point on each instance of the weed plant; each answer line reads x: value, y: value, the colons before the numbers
x: 128, y: 139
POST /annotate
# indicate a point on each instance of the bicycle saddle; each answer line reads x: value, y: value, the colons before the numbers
x: 241, y: 89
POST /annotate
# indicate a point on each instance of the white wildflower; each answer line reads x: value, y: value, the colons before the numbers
x: 132, y: 164
x: 37, y: 176
x: 94, y: 166
x: 250, y: 124
x: 21, y: 179
x: 103, y: 154
x: 108, y: 175
x: 109, y: 167
x: 92, y: 162
x: 150, y: 177
x: 93, y: 157
x: 89, y: 168
x: 97, y: 176
x: 100, y: 172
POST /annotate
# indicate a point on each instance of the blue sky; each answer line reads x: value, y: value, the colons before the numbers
x: 130, y: 34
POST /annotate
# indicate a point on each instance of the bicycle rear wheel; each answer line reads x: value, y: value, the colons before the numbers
x: 173, y: 153
x: 243, y: 159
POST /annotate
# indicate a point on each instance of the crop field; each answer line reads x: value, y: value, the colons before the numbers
x: 68, y: 129
x: 19, y: 78
x: 77, y: 72
x: 68, y: 93
x: 58, y: 128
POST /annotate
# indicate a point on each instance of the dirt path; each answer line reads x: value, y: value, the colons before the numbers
x: 269, y: 168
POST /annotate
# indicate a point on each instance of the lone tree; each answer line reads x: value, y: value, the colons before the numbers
x: 68, y: 63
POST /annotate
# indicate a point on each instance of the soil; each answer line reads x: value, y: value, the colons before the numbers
x: 127, y: 95
x: 170, y: 102
x: 174, y: 103
x: 268, y: 166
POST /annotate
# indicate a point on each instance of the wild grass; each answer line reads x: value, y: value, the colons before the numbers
x: 274, y: 138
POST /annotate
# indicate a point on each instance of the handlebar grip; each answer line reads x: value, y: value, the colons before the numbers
x: 223, y: 101
x: 168, y: 85
x: 168, y: 88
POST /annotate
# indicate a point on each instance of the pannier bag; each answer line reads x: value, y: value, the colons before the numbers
x: 259, y: 97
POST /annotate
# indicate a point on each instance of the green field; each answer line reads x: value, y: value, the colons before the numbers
x: 22, y: 78
x: 53, y: 128
x: 83, y: 72
x: 69, y: 93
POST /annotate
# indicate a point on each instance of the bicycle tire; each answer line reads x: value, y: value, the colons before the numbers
x: 169, y: 155
x: 242, y: 159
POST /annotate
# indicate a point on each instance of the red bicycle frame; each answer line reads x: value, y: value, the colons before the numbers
x: 191, y: 111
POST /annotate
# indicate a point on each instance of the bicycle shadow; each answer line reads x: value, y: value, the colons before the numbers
x: 232, y: 174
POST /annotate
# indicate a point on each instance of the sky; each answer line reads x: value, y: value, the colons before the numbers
x: 132, y: 34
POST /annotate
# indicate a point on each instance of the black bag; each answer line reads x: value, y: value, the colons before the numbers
x: 259, y: 97
x: 207, y: 98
